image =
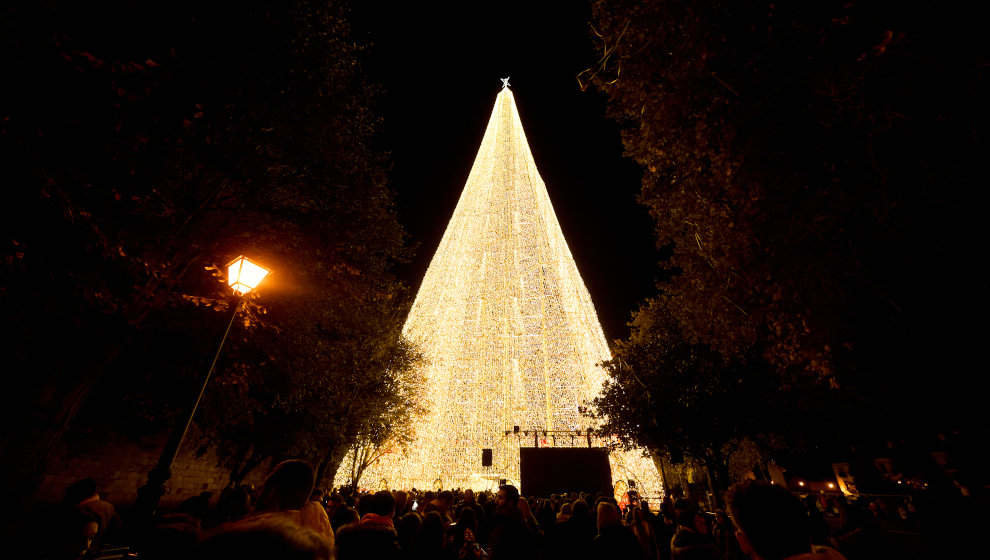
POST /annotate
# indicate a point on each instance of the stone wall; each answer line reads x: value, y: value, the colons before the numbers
x: 120, y: 468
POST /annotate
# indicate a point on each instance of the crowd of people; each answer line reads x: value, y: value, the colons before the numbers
x: 286, y: 518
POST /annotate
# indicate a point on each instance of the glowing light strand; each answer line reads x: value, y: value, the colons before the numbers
x: 508, y: 327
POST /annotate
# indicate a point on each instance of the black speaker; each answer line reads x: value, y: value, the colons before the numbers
x: 486, y: 457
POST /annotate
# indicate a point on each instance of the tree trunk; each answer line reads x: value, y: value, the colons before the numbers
x: 354, y: 471
x: 658, y: 463
x: 712, y: 490
x: 327, y: 470
x: 717, y: 468
x: 250, y: 462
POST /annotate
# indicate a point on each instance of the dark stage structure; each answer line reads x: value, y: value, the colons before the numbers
x: 550, y: 470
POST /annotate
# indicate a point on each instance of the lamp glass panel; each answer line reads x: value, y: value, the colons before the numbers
x: 244, y: 275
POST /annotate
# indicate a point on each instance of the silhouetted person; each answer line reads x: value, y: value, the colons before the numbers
x: 688, y: 542
x: 547, y: 517
x: 287, y: 490
x: 74, y: 536
x: 234, y: 503
x: 344, y: 516
x: 772, y: 524
x: 614, y: 539
x: 471, y: 503
x: 487, y: 505
x: 573, y: 537
x: 408, y: 532
x: 464, y: 532
x: 197, y: 507
x: 429, y: 544
x: 642, y: 528
x: 401, y: 503
x: 288, y: 486
x: 374, y: 536
x: 509, y: 538
x: 265, y: 537
x: 84, y: 495
x: 442, y: 504
x: 529, y: 518
x: 564, y: 514
x: 818, y: 525
x: 724, y: 533
x: 364, y: 504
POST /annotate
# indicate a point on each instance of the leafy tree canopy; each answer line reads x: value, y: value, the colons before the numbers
x: 810, y: 168
x: 153, y: 143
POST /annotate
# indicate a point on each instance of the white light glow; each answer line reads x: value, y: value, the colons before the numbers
x: 243, y: 275
x: 508, y: 328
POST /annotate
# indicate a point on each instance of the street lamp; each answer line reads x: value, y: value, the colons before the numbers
x: 243, y: 276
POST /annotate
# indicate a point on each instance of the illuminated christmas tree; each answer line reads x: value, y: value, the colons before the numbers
x: 509, y: 330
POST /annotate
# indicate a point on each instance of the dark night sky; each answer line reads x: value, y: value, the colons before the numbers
x: 441, y: 70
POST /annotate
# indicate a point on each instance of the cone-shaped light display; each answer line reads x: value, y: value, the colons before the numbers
x: 508, y: 328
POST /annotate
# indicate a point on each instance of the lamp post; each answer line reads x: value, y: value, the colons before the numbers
x: 243, y: 275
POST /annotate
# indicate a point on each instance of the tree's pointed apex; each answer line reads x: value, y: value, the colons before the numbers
x: 505, y: 82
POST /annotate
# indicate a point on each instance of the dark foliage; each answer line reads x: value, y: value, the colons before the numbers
x: 151, y: 143
x: 812, y: 169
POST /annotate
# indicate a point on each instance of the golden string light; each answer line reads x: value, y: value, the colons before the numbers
x: 508, y: 328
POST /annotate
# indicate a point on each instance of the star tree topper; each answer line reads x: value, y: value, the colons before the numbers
x: 505, y: 82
